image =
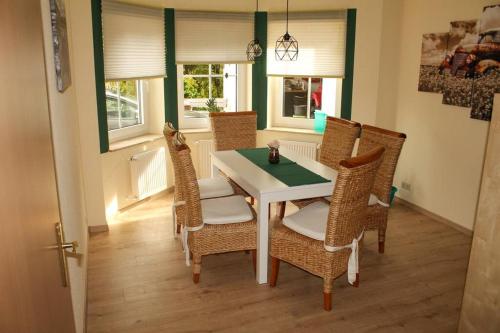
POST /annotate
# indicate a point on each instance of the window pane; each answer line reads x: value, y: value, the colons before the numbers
x: 295, y: 97
x: 112, y: 86
x: 316, y: 95
x: 217, y: 87
x: 123, y: 104
x: 128, y: 89
x: 129, y: 113
x: 196, y: 87
x: 217, y: 68
x: 196, y: 69
x: 112, y: 112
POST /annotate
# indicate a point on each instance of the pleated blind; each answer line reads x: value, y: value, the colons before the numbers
x: 321, y: 37
x: 134, y: 41
x: 212, y: 37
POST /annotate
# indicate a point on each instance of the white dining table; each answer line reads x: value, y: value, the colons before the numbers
x: 265, y: 188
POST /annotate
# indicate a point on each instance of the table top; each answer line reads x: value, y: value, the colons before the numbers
x: 254, y: 179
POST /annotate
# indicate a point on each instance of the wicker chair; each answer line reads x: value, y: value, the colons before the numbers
x: 337, y: 145
x: 234, y: 130
x: 323, y: 239
x: 378, y: 210
x: 209, y: 187
x: 213, y: 225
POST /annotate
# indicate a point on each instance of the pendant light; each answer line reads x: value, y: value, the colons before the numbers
x: 287, y: 47
x: 254, y: 50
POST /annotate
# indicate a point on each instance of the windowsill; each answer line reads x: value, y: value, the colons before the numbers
x: 123, y: 144
x: 195, y: 130
x: 293, y: 130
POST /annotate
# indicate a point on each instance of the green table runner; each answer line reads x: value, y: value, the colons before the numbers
x: 286, y: 171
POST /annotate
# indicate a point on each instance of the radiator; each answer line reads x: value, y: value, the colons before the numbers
x: 148, y: 173
x: 205, y: 147
x: 306, y: 149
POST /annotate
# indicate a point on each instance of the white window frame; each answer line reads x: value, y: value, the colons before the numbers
x: 204, y: 123
x: 135, y: 130
x: 275, y: 102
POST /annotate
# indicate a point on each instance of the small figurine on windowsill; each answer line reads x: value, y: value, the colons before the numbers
x: 274, y: 153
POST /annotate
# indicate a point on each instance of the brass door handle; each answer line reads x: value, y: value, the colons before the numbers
x: 72, y: 245
x: 61, y: 247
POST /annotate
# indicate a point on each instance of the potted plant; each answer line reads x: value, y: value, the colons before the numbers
x: 212, y: 105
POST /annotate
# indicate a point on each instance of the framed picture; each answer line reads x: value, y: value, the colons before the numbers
x: 60, y: 43
x: 431, y: 61
x: 486, y: 64
x: 458, y: 74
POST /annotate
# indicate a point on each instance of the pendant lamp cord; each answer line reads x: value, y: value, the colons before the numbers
x: 287, y: 16
x: 257, y: 5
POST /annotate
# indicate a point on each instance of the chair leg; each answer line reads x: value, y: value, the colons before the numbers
x: 327, y: 294
x: 327, y: 301
x: 356, y: 283
x: 275, y: 269
x: 196, y: 268
x: 282, y: 207
x: 178, y: 229
x: 252, y: 201
x: 381, y: 240
x: 254, y: 260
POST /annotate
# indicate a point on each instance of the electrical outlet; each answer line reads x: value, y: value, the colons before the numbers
x: 406, y: 186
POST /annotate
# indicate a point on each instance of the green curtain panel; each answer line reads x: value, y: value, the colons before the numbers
x: 170, y: 82
x: 102, y: 116
x: 347, y: 82
x: 259, y: 76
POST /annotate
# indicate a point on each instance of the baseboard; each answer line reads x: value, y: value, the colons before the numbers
x: 98, y: 228
x: 434, y: 216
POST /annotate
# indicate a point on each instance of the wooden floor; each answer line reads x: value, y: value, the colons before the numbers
x: 138, y: 282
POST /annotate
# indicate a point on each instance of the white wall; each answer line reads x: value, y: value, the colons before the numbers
x: 443, y: 156
x: 80, y: 17
x: 66, y: 139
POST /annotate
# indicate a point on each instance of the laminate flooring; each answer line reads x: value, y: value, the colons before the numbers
x: 138, y: 282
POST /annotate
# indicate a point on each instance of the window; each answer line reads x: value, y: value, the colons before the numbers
x: 298, y: 90
x: 205, y: 88
x: 125, y: 110
x: 300, y: 99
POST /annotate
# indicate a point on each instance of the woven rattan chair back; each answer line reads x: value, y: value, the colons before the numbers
x: 372, y: 137
x: 189, y: 183
x: 338, y: 141
x: 169, y: 132
x: 350, y: 197
x: 234, y: 130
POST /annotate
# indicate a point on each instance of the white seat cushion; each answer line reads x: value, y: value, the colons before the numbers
x: 309, y: 221
x: 225, y: 210
x: 214, y: 187
x: 371, y: 201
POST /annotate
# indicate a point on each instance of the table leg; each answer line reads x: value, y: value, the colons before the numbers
x: 215, y: 171
x: 262, y: 239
